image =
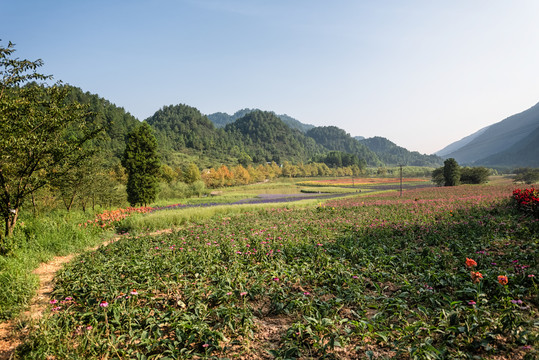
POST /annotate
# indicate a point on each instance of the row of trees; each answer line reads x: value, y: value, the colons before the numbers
x: 452, y: 174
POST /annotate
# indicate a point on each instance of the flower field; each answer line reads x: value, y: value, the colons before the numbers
x: 439, y: 273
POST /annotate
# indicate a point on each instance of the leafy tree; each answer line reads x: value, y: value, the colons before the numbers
x: 526, y: 175
x: 191, y: 174
x: 474, y: 175
x: 142, y: 164
x: 42, y: 135
x: 438, y: 176
x: 451, y: 172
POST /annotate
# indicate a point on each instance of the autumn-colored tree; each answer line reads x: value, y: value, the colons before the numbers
x: 241, y: 175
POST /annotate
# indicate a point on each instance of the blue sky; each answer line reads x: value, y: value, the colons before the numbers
x: 421, y: 73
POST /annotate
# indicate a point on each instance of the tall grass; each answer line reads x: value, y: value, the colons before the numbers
x: 169, y: 219
x: 37, y: 240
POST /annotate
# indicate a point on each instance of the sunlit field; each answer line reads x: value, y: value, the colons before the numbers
x: 437, y: 273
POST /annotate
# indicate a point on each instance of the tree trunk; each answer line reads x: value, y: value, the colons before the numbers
x: 34, y: 204
x: 12, y: 222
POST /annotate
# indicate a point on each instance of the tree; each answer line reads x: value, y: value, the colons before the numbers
x: 451, y: 172
x: 474, y: 175
x: 526, y: 175
x: 438, y: 176
x: 42, y: 135
x: 191, y: 174
x: 142, y: 165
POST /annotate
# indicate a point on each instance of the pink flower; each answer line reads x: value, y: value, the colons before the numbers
x: 275, y: 279
x: 205, y: 345
x: 306, y: 293
x: 134, y: 292
x: 104, y: 304
x: 243, y: 293
x: 471, y: 302
x: 229, y: 293
x: 53, y: 301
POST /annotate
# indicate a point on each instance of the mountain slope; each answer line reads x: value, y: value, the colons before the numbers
x: 391, y: 154
x: 460, y: 143
x: 221, y: 119
x: 498, y: 138
x: 115, y: 121
x: 267, y: 138
x: 333, y: 138
x: 524, y: 153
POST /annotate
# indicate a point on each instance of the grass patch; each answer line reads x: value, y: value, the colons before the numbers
x: 38, y: 240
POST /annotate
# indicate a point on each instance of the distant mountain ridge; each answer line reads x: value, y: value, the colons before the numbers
x: 513, y: 141
x: 391, y: 154
x: 460, y: 143
x: 221, y: 119
x: 375, y: 151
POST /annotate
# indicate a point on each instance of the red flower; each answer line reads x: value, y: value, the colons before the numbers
x: 476, y: 276
x: 470, y: 263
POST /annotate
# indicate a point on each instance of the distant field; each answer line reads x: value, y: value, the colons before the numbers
x: 362, y: 181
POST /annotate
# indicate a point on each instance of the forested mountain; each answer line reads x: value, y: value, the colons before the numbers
x: 267, y: 138
x: 333, y: 138
x: 185, y: 135
x: 391, y: 154
x: 221, y: 119
x: 182, y: 129
x: 508, y: 142
x: 115, y: 121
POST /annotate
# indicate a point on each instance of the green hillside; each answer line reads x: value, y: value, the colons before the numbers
x: 267, y: 138
x: 221, y: 119
x: 391, y: 154
x: 115, y: 121
x: 333, y: 138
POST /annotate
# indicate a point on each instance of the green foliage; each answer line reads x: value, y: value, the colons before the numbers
x: 191, y: 173
x: 438, y: 176
x: 43, y: 135
x: 142, y: 164
x: 474, y: 175
x: 265, y: 138
x: 221, y: 119
x: 526, y: 175
x: 115, y: 122
x: 451, y: 172
x: 35, y: 240
x: 335, y: 159
x: 391, y: 154
x: 387, y: 269
x: 333, y: 138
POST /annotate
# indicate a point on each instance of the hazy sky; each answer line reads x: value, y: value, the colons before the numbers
x: 421, y: 73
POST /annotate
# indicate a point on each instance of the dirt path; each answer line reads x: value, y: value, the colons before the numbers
x: 11, y: 335
x: 13, y: 332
